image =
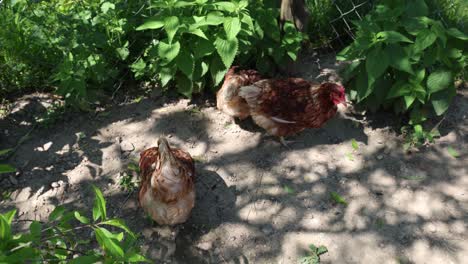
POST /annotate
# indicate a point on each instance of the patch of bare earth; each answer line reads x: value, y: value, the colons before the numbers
x: 257, y: 202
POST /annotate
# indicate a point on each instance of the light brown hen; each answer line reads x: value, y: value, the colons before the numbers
x: 167, y: 192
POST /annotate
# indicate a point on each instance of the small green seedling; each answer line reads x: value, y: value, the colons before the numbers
x: 137, y: 100
x: 337, y: 198
x: 314, y: 255
x: 289, y: 190
x: 453, y: 152
x: 354, y: 144
x: 350, y: 156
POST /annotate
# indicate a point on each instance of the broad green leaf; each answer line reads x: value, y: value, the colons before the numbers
x: 217, y: 70
x: 99, y: 207
x: 400, y: 88
x: 5, y: 229
x: 57, y: 213
x: 186, y: 63
x: 457, y: 34
x: 418, y: 76
x: 171, y: 25
x: 104, y: 238
x: 120, y: 224
x: 123, y: 51
x: 227, y: 50
x: 398, y: 58
x: 377, y: 62
x: 453, y: 152
x: 424, y: 39
x: 313, y: 248
x: 5, y: 151
x: 415, y: 24
x: 166, y: 74
x: 441, y: 100
x: 439, y: 80
x: 409, y: 100
x: 81, y: 218
x: 6, y: 168
x: 10, y: 215
x: 362, y: 86
x: 154, y: 23
x: 225, y: 6
x: 232, y: 27
x: 392, y: 37
x: 203, y: 48
x: 213, y: 18
x: 354, y: 144
x: 351, y: 70
x: 198, y: 32
x: 35, y: 229
x: 416, y: 8
x: 184, y: 85
x: 439, y: 30
x: 135, y: 257
x: 321, y: 250
x: 168, y: 51
x: 106, y: 6
x: 337, y: 198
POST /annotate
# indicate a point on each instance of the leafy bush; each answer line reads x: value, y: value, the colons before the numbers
x: 76, y: 47
x: 194, y: 42
x: 403, y: 59
x: 55, y: 240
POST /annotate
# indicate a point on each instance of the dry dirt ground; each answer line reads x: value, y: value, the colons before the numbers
x: 257, y: 201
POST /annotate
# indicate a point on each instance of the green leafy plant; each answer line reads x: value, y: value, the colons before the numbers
x: 74, y: 49
x: 6, y: 168
x: 416, y: 136
x: 126, y: 182
x: 314, y: 255
x: 403, y: 59
x: 55, y: 240
x: 338, y: 198
x: 194, y: 43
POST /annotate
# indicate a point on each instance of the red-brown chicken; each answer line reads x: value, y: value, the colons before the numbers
x: 285, y: 107
x: 227, y: 98
x: 167, y: 192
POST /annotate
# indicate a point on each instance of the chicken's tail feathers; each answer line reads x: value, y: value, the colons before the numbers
x: 280, y: 120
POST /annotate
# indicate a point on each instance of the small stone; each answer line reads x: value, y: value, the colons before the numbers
x: 47, y: 146
x: 381, y: 245
x: 55, y: 185
x: 18, y: 173
x: 118, y: 140
x: 380, y: 157
x: 267, y: 230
